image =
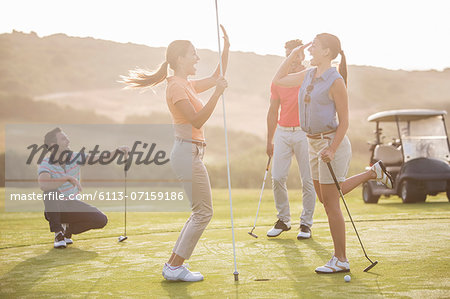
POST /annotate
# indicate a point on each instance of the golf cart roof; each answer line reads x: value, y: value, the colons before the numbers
x: 405, y: 114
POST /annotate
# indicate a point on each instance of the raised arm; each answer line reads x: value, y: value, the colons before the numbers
x: 282, y: 77
x: 209, y: 82
x: 198, y: 119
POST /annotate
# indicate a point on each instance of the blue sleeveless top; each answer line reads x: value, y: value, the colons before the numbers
x: 319, y: 114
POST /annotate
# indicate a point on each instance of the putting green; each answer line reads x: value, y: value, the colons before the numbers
x: 411, y: 243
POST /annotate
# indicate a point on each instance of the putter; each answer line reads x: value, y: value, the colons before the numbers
x: 124, y: 236
x: 235, y: 273
x: 260, y: 197
x: 373, y: 264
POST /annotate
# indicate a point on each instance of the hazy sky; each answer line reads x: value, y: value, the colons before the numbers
x: 395, y: 34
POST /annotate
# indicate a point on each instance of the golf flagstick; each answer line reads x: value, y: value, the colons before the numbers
x: 236, y: 273
x: 348, y: 212
x: 260, y: 196
x: 124, y: 237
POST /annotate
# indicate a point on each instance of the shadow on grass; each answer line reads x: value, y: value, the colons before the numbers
x: 26, y: 274
x: 177, y: 289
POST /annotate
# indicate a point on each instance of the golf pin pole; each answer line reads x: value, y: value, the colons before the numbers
x: 350, y: 216
x: 236, y: 273
x: 124, y: 237
x: 125, y: 214
x: 260, y: 197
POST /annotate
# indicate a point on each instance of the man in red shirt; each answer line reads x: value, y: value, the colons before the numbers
x: 284, y: 139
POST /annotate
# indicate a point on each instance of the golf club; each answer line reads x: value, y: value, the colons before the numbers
x: 124, y: 236
x: 236, y: 273
x: 260, y: 196
x: 373, y: 264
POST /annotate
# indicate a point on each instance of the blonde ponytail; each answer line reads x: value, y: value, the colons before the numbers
x: 139, y: 78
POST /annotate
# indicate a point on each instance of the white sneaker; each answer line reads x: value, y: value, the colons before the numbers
x: 59, y: 241
x: 334, y: 266
x: 305, y: 232
x: 382, y: 174
x: 180, y: 273
x: 67, y: 235
x: 278, y: 228
x: 185, y: 265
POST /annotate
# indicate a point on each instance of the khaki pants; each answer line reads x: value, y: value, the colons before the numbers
x: 287, y: 144
x: 186, y: 159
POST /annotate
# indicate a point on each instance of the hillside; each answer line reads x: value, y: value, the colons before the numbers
x: 83, y: 72
x: 49, y: 79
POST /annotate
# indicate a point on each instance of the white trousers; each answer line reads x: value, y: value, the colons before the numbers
x: 287, y: 144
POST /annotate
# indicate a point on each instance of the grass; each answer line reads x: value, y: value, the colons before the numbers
x: 411, y: 243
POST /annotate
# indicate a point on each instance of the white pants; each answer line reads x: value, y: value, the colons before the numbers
x: 187, y: 162
x: 286, y: 144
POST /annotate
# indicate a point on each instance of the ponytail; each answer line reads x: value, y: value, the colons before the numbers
x: 139, y: 78
x: 333, y: 43
x: 343, y: 67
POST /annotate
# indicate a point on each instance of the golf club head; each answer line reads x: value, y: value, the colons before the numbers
x: 122, y: 238
x: 236, y: 276
x: 253, y: 235
x: 371, y: 266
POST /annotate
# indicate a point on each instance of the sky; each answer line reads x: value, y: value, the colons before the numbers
x: 393, y: 34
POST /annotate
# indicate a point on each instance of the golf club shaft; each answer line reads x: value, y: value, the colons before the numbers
x: 125, y: 198
x: 262, y: 190
x: 345, y: 204
x: 226, y: 146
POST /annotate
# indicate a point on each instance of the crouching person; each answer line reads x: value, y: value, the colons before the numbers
x: 61, y: 183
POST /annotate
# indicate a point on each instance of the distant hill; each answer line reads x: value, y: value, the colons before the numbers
x: 83, y: 72
x: 79, y: 75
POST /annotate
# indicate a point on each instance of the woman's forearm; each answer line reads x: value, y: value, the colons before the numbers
x: 339, y: 136
x: 205, y: 113
x: 283, y: 70
x: 225, y: 54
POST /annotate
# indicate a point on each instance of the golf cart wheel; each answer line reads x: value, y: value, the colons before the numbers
x: 411, y: 193
x: 448, y: 190
x: 368, y: 195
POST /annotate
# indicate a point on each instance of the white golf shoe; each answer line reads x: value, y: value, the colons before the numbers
x: 382, y: 174
x: 278, y: 228
x: 334, y: 266
x: 305, y: 232
x: 67, y: 234
x: 59, y: 240
x: 180, y: 273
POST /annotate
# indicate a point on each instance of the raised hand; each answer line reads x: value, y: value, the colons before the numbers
x: 300, y: 51
x: 226, y: 40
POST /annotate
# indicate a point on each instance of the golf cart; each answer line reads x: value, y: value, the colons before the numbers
x: 417, y: 156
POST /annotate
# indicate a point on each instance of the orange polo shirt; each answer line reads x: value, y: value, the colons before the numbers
x: 288, y: 97
x: 181, y: 89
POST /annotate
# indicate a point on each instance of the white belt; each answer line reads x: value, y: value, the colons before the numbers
x: 292, y: 129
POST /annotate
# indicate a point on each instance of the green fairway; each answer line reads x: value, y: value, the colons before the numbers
x: 411, y: 243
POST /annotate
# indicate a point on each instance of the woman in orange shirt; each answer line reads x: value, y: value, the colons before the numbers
x: 189, y: 115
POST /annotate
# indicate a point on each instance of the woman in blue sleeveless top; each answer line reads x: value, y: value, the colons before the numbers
x: 323, y: 111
